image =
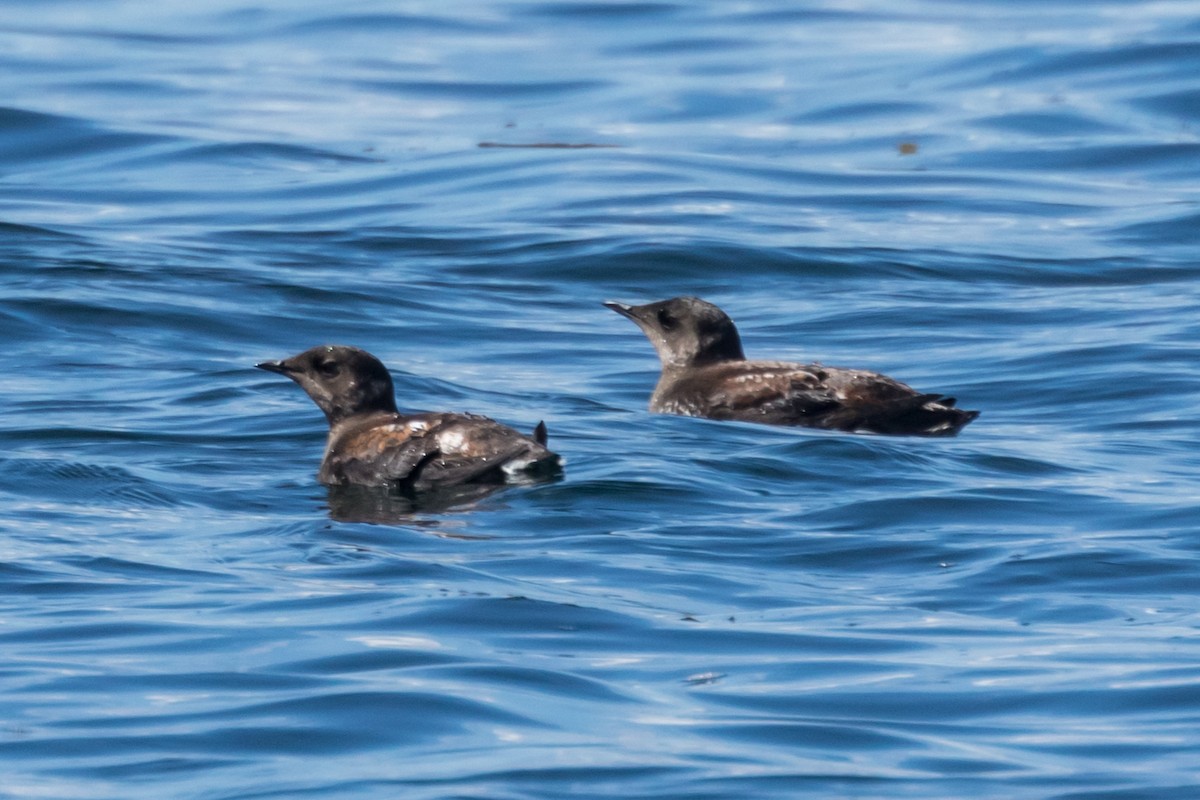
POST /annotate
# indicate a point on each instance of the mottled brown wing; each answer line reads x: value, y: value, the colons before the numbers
x: 470, y: 448
x: 779, y: 396
x: 383, y: 455
x: 868, y: 388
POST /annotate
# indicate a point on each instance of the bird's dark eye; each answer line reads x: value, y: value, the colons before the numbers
x: 666, y: 319
x: 329, y: 369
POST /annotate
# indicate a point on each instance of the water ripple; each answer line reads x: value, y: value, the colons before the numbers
x: 991, y: 200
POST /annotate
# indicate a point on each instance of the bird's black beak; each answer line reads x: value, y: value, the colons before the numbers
x: 624, y: 309
x: 274, y: 366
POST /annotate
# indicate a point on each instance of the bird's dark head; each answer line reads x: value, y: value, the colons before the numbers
x: 342, y: 381
x: 686, y: 331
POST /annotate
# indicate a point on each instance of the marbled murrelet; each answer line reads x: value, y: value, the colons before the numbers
x: 371, y: 443
x: 706, y: 374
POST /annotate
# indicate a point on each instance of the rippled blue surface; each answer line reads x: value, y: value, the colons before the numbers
x: 993, y: 199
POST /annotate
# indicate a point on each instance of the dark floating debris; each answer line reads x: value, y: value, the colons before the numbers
x: 550, y: 145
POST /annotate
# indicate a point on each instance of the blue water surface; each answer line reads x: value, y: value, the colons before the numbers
x: 994, y: 199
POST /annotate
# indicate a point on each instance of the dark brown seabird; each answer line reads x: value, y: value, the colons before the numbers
x: 372, y: 444
x: 705, y: 374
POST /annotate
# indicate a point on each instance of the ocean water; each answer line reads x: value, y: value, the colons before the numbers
x: 997, y: 200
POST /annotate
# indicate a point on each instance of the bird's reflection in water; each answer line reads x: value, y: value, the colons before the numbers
x: 384, y: 505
